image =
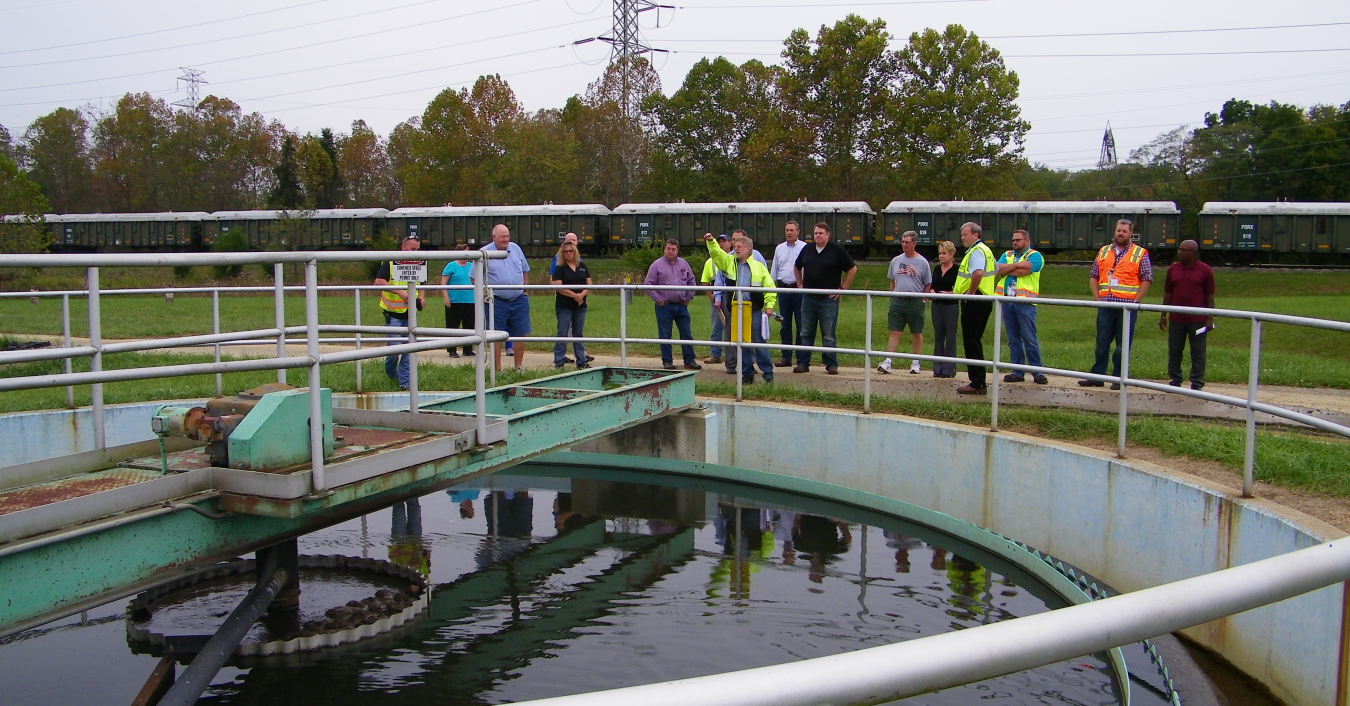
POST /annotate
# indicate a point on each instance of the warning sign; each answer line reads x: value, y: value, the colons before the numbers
x: 409, y: 271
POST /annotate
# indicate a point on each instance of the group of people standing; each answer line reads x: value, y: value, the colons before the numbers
x: 1121, y: 272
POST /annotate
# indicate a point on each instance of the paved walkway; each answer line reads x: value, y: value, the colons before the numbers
x: 1331, y: 405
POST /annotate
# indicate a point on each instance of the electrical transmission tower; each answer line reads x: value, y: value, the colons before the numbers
x: 625, y: 38
x: 193, y: 79
x: 1108, y: 158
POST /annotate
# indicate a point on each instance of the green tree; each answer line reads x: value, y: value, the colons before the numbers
x: 842, y: 83
x: 616, y: 148
x: 55, y: 153
x: 318, y: 170
x: 286, y: 192
x: 960, y: 131
x: 541, y: 163
x: 1266, y: 152
x: 133, y: 171
x: 363, y: 164
x: 700, y: 135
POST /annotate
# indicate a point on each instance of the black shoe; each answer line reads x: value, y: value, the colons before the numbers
x: 557, y: 366
x: 784, y: 363
x: 748, y: 379
x: 692, y: 366
x: 568, y: 359
x: 1175, y: 383
x: 667, y: 366
x: 832, y: 370
x: 1090, y: 383
x: 1013, y: 378
x: 1041, y: 380
x: 768, y: 379
x: 582, y: 366
x: 452, y: 354
x: 802, y: 369
x: 1197, y: 386
x: 1115, y: 386
x: 590, y: 359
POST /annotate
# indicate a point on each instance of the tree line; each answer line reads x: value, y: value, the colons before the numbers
x: 843, y: 116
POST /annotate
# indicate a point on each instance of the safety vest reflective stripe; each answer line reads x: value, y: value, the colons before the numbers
x: 1124, y: 272
x: 1026, y: 285
x: 963, y: 273
x: 391, y: 302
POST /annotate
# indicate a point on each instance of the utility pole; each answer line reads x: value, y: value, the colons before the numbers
x: 193, y: 79
x: 626, y: 46
x: 1108, y: 158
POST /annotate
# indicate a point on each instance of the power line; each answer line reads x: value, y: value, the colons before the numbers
x: 196, y: 44
x: 1189, y: 181
x: 838, y: 5
x: 1186, y: 53
x: 161, y: 31
x: 1057, y: 36
x: 193, y: 79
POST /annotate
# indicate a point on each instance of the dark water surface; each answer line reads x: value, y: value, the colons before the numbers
x: 551, y: 586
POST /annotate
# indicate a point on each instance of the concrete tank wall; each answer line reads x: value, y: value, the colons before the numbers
x: 1131, y: 523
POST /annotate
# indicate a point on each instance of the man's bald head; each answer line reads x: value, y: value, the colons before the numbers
x: 1188, y: 250
x: 501, y: 235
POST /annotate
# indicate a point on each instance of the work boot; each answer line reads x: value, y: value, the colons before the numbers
x: 768, y: 378
x: 1041, y: 380
x: 784, y: 363
x: 802, y: 369
x: 1090, y: 383
x: 667, y: 365
x: 1012, y: 378
x: 712, y: 360
x: 748, y: 379
x: 831, y: 370
x: 692, y: 366
x: 970, y: 390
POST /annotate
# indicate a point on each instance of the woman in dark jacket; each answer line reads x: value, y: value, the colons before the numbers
x: 944, y: 310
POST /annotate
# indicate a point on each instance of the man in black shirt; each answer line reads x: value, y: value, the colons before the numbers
x: 825, y: 265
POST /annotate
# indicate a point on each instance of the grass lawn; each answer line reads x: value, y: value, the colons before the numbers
x: 1304, y: 461
x: 1291, y: 355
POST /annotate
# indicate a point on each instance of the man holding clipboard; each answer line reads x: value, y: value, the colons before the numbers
x: 1189, y: 282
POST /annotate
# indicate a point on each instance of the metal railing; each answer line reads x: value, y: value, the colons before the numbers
x: 875, y: 674
x: 313, y: 358
x: 277, y: 336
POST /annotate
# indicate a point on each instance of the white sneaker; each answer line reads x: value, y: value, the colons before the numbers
x: 913, y: 367
x: 885, y: 367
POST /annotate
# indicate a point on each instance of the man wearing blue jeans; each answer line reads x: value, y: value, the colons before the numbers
x: 822, y: 265
x: 672, y: 306
x: 394, y: 306
x: 510, y: 307
x: 1019, y: 276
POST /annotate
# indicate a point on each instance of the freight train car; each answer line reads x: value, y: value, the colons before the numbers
x: 124, y: 232
x: 538, y: 229
x: 340, y: 228
x: 1248, y: 228
x: 1053, y: 225
x: 644, y: 224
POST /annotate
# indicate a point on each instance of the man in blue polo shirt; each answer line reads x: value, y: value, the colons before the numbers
x: 511, y: 307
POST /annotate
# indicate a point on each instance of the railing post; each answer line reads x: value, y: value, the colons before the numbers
x: 65, y: 341
x: 1253, y: 378
x: 623, y: 326
x: 867, y: 360
x: 96, y: 362
x: 315, y: 392
x: 737, y: 337
x: 1124, y: 376
x: 412, y: 338
x: 215, y: 328
x: 279, y: 305
x: 993, y: 377
x: 491, y: 313
x: 356, y: 298
x: 480, y: 350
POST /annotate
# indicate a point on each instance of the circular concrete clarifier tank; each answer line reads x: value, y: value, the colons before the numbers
x: 567, y: 579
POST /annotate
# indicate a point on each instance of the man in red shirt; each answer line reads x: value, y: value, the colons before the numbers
x: 1189, y: 282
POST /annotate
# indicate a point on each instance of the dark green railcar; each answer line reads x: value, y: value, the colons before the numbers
x: 128, y: 232
x: 537, y: 229
x: 1276, y: 227
x: 644, y: 224
x: 336, y: 228
x: 1052, y: 225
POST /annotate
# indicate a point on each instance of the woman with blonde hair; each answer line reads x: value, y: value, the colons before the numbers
x: 570, y: 304
x: 944, y: 312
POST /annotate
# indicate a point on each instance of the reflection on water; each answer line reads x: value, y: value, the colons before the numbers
x: 553, y: 586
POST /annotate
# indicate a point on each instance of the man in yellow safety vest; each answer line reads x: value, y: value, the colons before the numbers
x: 1019, y: 277
x: 974, y: 277
x: 394, y: 305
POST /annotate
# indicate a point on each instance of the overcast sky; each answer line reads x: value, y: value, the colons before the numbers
x: 324, y: 63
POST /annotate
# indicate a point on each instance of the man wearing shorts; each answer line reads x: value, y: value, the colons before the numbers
x: 909, y: 272
x: 510, y: 307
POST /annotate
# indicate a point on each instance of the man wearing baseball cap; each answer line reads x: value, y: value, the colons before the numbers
x: 394, y: 304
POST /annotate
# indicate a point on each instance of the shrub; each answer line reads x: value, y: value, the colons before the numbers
x: 230, y: 241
